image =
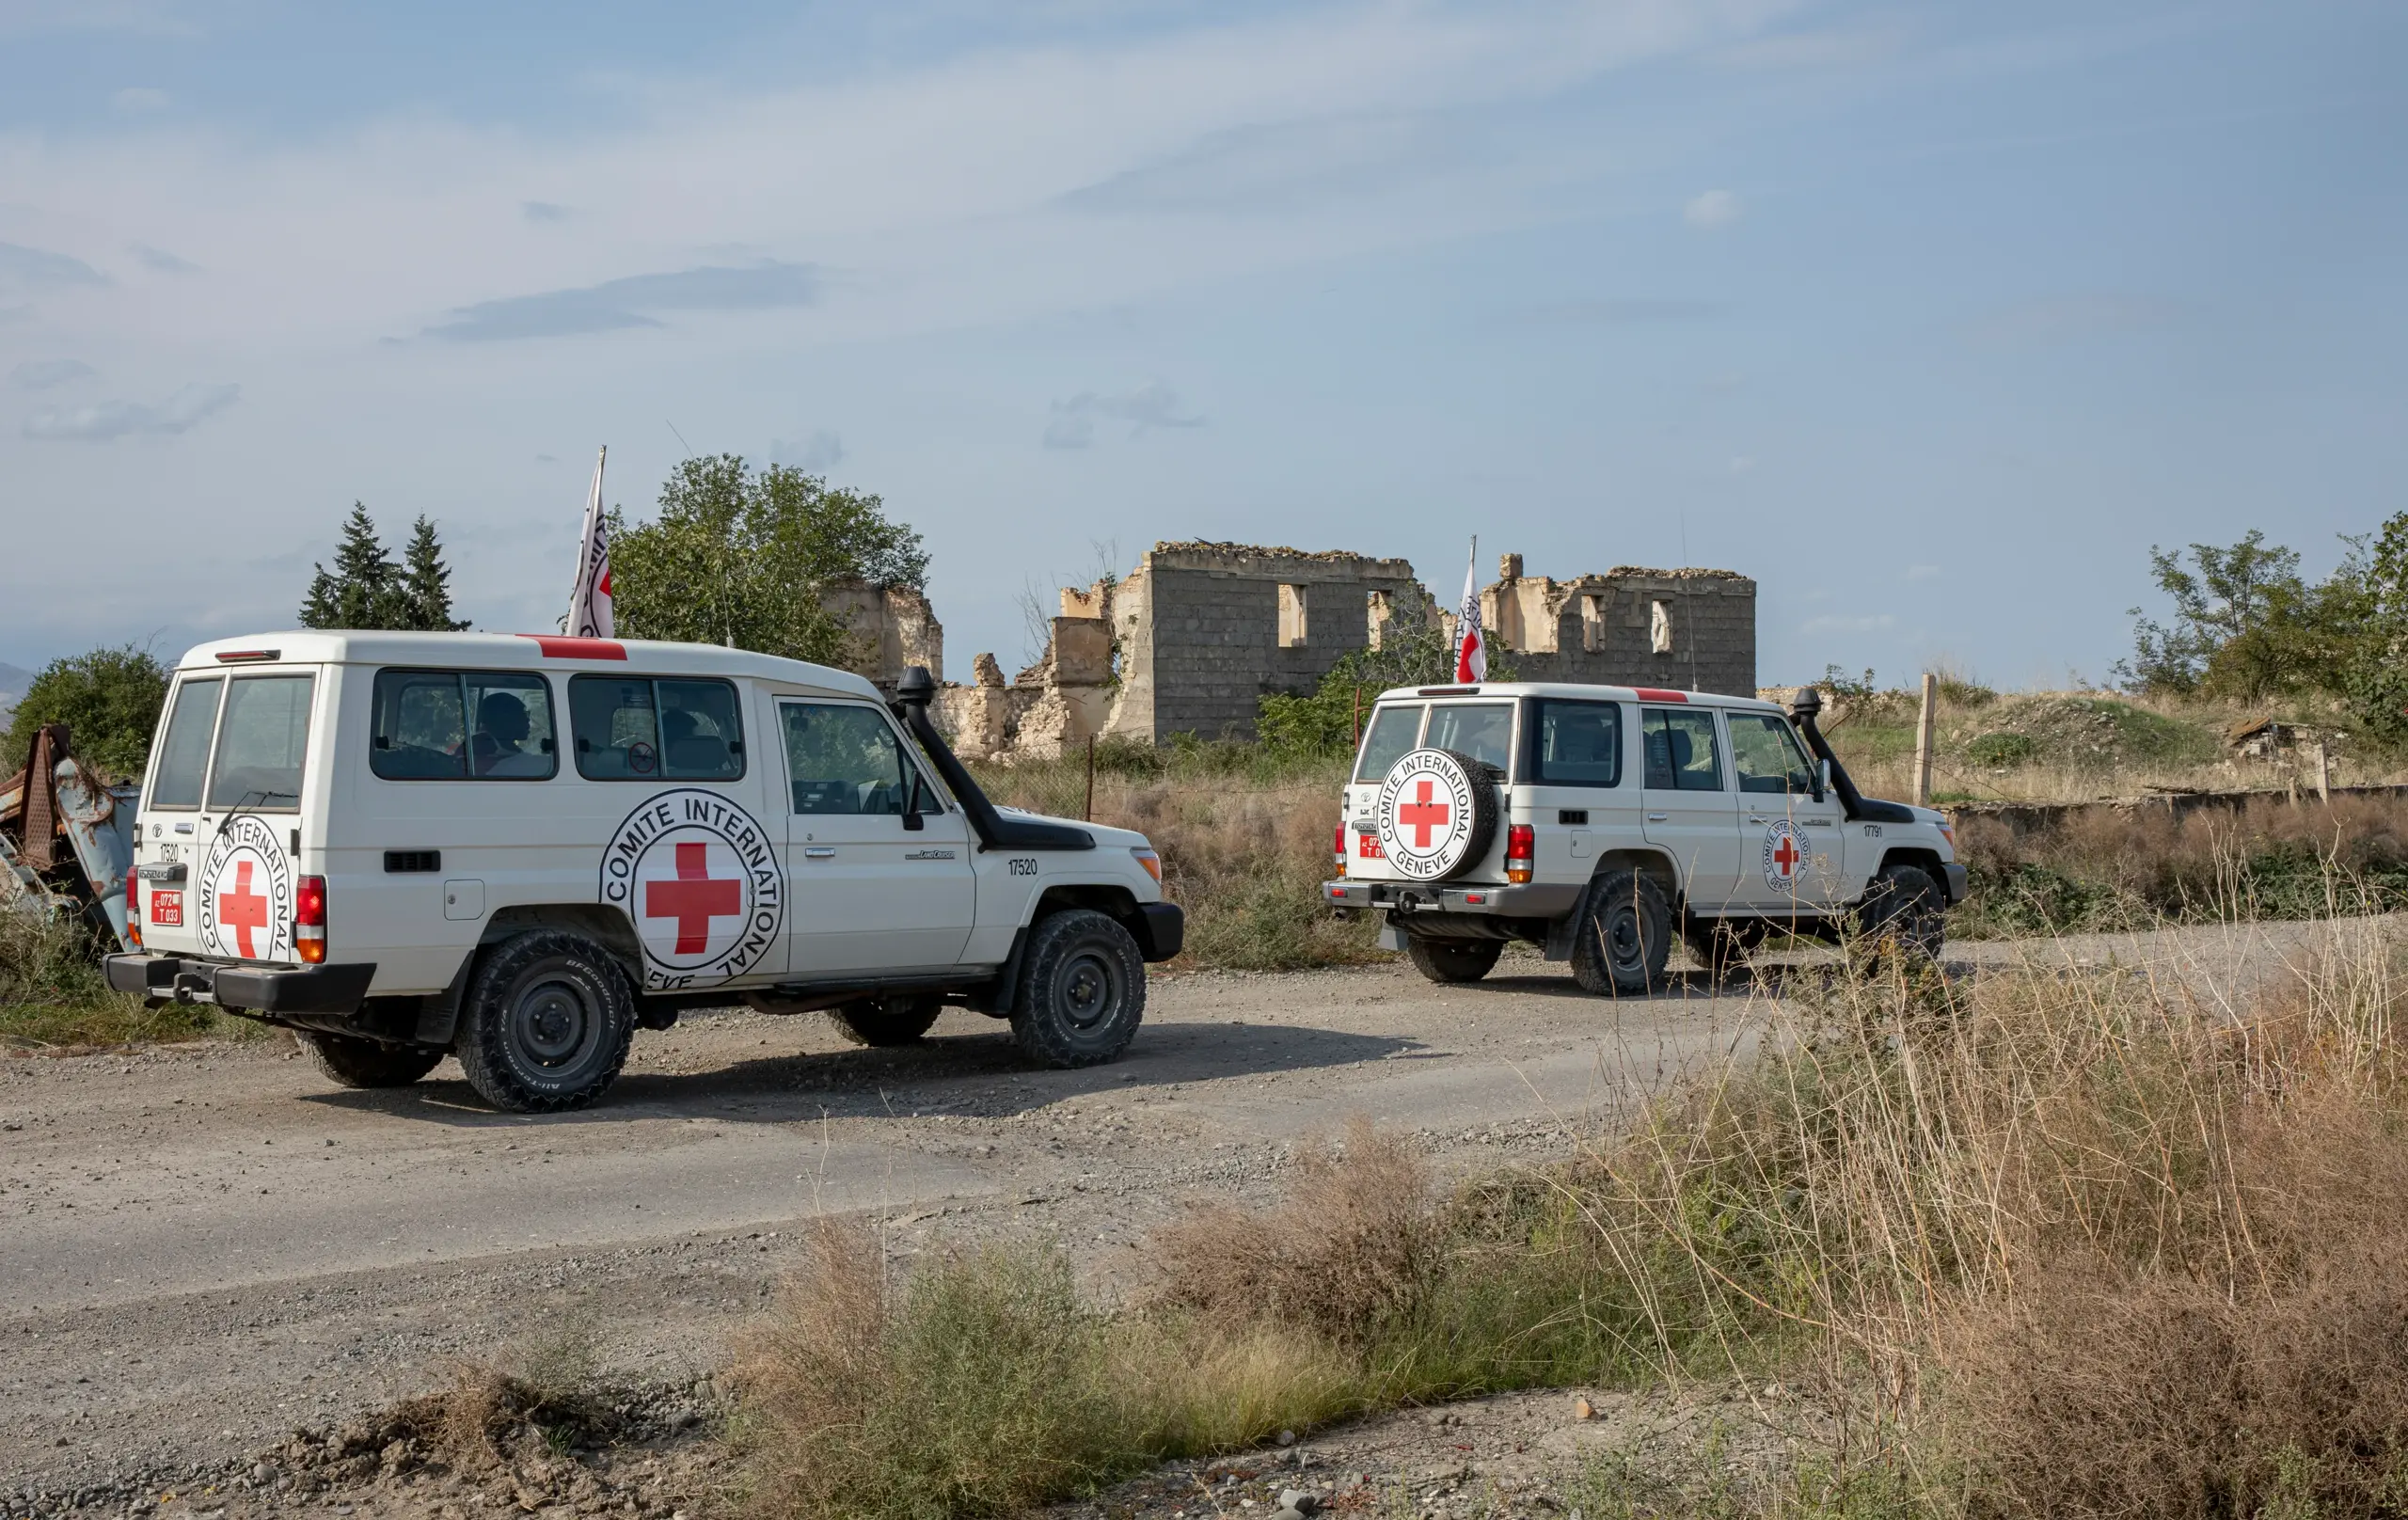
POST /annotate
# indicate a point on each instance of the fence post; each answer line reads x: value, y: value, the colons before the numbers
x: 1089, y: 815
x: 1923, y: 739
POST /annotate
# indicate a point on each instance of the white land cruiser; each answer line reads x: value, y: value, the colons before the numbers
x: 1598, y: 821
x: 519, y: 849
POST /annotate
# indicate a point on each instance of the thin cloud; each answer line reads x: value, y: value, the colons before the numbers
x: 619, y: 304
x: 815, y: 455
x: 1878, y: 623
x: 1923, y: 571
x: 140, y: 100
x: 40, y: 266
x: 1713, y: 211
x: 1152, y: 404
x: 1831, y: 48
x: 41, y: 374
x: 1285, y: 166
x: 543, y: 211
x: 107, y: 422
x: 162, y: 261
x: 2057, y: 319
x: 1632, y: 312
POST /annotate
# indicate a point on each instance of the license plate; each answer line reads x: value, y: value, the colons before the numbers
x: 167, y: 852
x: 167, y: 908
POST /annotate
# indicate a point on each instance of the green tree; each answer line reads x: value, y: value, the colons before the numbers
x: 110, y: 701
x: 739, y: 558
x: 1322, y: 721
x: 2245, y: 624
x: 425, y: 584
x: 364, y: 590
x: 2373, y: 672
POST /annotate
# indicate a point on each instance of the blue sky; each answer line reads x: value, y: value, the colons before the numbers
x: 1932, y: 319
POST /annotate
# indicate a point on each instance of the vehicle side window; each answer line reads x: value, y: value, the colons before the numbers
x: 1390, y: 739
x: 636, y: 728
x: 422, y: 729
x: 1484, y: 730
x: 184, y: 754
x: 1577, y: 744
x: 262, y: 743
x: 843, y: 759
x: 1765, y: 754
x: 1681, y: 752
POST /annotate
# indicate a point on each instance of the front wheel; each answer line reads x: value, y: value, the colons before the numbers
x: 1452, y: 960
x: 353, y: 1062
x: 1623, y: 936
x: 1082, y: 989
x: 1905, y: 913
x: 883, y: 1022
x: 546, y: 1023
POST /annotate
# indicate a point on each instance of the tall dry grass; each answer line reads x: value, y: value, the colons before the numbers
x: 53, y: 995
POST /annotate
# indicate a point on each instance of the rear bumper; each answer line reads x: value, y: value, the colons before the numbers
x: 1552, y: 899
x: 1955, y: 883
x: 1161, y: 929
x: 272, y: 989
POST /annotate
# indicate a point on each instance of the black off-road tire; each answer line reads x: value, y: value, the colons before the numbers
x: 1722, y: 945
x: 898, y: 1020
x: 1452, y: 960
x: 1903, y: 914
x: 350, y: 1061
x: 1082, y: 989
x: 1623, y: 936
x: 545, y: 1023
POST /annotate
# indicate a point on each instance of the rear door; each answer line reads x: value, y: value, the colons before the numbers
x: 226, y: 799
x: 868, y: 893
x: 1393, y: 732
x: 1688, y: 807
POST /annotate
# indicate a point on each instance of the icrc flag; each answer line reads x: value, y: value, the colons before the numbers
x: 1471, y: 646
x: 589, y: 601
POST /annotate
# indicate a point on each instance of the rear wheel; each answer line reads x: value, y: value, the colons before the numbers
x: 899, y: 1020
x: 1625, y: 935
x: 1082, y: 989
x: 1905, y: 913
x: 353, y: 1062
x: 1452, y: 960
x: 546, y: 1023
x: 1721, y: 945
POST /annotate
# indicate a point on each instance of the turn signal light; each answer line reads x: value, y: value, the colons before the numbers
x: 1338, y: 847
x: 309, y: 919
x: 1521, y: 850
x: 1151, y: 861
x: 134, y: 907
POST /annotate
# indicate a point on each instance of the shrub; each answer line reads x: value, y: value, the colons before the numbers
x: 110, y: 701
x: 53, y: 993
x: 2002, y: 750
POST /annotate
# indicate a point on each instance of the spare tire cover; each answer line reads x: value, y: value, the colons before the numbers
x: 1436, y: 815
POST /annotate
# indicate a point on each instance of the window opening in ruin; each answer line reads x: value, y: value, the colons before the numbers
x: 1593, y: 622
x: 1292, y: 617
x: 1378, y: 609
x: 1659, y: 627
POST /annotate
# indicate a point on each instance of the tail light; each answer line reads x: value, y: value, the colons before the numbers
x: 134, y: 907
x: 1521, y: 850
x: 1337, y: 847
x: 309, y: 919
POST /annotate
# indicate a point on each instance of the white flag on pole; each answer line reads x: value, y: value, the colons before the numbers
x: 1471, y: 647
x: 589, y: 602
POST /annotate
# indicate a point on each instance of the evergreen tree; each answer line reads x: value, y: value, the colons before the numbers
x: 364, y: 590
x: 425, y: 584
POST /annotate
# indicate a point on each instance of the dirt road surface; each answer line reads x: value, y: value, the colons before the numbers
x: 204, y: 1247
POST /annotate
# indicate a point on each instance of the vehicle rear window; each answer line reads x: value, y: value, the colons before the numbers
x: 1765, y: 754
x: 184, y: 754
x: 261, y: 744
x: 1388, y: 740
x: 638, y: 728
x: 1484, y: 730
x: 1577, y: 744
x: 1680, y: 752
x: 463, y: 725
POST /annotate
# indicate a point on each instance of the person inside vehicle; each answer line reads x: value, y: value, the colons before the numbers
x: 502, y: 729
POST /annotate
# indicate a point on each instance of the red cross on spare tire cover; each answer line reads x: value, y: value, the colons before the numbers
x: 1436, y: 815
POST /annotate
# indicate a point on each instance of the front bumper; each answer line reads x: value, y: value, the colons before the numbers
x: 270, y: 990
x: 1551, y: 899
x: 1956, y: 881
x: 1161, y: 929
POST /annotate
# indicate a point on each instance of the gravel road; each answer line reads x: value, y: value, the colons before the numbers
x: 204, y: 1247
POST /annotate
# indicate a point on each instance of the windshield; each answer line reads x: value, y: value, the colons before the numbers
x: 1484, y: 730
x: 1388, y: 740
x: 261, y: 744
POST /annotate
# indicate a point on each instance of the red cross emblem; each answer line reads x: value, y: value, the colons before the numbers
x: 1786, y: 855
x: 693, y: 899
x: 1422, y: 814
x: 243, y: 911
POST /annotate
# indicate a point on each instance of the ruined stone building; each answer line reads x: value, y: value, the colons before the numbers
x: 1191, y: 640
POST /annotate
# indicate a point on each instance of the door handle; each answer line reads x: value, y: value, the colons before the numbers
x: 819, y: 852
x: 1659, y: 818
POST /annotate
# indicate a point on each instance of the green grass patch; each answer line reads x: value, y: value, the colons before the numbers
x: 53, y: 997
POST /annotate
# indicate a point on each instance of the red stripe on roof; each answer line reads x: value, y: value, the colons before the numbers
x: 1656, y: 693
x: 557, y: 647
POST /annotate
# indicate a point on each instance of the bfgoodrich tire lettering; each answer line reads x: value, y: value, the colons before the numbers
x: 1082, y: 991
x: 1623, y: 937
x: 545, y: 1025
x: 353, y: 1062
x: 898, y: 1020
x: 1452, y: 960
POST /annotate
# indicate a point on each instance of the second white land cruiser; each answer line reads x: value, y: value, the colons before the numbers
x: 1599, y: 822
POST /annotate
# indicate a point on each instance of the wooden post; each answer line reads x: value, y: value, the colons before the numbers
x: 1089, y: 814
x: 1923, y: 739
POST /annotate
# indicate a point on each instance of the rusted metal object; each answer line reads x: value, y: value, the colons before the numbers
x: 66, y: 839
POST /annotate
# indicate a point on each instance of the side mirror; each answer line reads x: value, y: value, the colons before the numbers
x: 1822, y: 778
